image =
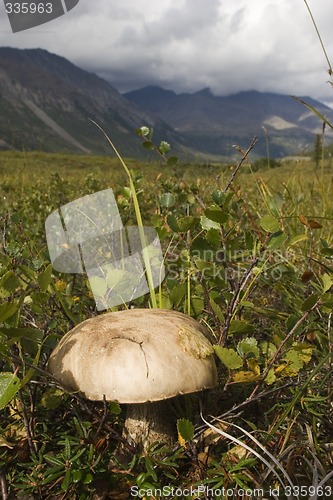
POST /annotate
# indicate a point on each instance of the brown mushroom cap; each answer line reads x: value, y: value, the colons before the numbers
x: 135, y: 356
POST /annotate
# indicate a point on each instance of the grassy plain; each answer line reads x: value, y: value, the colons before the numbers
x: 253, y: 262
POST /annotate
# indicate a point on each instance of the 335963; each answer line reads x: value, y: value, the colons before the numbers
x: 29, y: 8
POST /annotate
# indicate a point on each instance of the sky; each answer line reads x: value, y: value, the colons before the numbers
x: 187, y: 45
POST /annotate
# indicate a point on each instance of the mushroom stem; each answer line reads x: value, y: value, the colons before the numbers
x: 149, y: 422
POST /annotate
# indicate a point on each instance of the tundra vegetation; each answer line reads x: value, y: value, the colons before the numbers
x: 248, y: 253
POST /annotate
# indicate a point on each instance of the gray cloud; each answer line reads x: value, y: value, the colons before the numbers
x: 226, y: 45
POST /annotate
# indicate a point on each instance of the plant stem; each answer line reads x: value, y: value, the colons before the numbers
x: 319, y: 37
x: 143, y: 240
x: 244, y: 157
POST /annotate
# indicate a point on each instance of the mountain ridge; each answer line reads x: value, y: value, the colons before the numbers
x: 214, y: 123
x: 46, y: 103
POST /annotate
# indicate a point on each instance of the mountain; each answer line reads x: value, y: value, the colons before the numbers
x: 213, y: 124
x: 46, y: 103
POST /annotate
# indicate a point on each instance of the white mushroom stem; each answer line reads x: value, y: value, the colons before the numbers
x: 149, y: 422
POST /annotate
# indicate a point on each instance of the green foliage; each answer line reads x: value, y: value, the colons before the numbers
x: 252, y: 262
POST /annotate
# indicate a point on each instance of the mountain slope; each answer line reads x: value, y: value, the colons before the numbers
x: 214, y: 123
x: 46, y: 103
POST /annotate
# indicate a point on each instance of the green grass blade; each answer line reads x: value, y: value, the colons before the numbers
x: 143, y: 240
x: 314, y: 110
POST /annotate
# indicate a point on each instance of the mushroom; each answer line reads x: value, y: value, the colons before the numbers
x: 140, y: 357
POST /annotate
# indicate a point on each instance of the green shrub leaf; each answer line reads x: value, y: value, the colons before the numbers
x: 248, y: 347
x: 216, y: 215
x: 44, y: 278
x: 237, y: 326
x: 9, y: 385
x: 167, y: 200
x: 185, y: 429
x: 229, y: 357
x: 269, y: 224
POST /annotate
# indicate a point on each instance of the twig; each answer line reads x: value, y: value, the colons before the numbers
x: 281, y: 346
x: 103, y: 419
x: 240, y: 407
x: 330, y: 350
x: 234, y: 302
x: 3, y: 483
x: 245, y: 154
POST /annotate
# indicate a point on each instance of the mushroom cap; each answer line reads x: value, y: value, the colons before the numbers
x: 135, y: 356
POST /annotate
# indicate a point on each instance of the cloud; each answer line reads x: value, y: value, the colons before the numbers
x: 222, y: 44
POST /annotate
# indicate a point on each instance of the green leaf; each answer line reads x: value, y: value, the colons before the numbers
x: 164, y: 147
x: 327, y: 282
x: 52, y: 398
x: 30, y: 333
x: 216, y: 215
x: 217, y: 310
x: 219, y: 197
x: 186, y: 223
x: 10, y: 281
x: 150, y: 468
x: 229, y: 357
x: 8, y: 310
x: 269, y: 224
x: 117, y: 279
x: 201, y: 248
x: 143, y: 131
x: 77, y: 476
x: 88, y: 478
x: 173, y: 223
x: 185, y: 429
x: 214, y: 237
x: 164, y: 301
x: 167, y: 200
x: 54, y: 460
x: 268, y: 348
x: 270, y: 377
x: 309, y: 302
x: 237, y: 326
x: 172, y: 161
x: 115, y: 407
x: 178, y: 293
x: 148, y: 145
x: 277, y: 240
x: 67, y: 480
x: 44, y: 278
x: 9, y: 385
x: 207, y: 223
x: 98, y: 285
x: 248, y: 347
x: 196, y: 305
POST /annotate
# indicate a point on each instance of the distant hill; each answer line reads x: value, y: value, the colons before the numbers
x: 213, y: 124
x: 46, y: 102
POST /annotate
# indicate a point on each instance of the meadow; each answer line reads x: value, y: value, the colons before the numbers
x: 248, y: 253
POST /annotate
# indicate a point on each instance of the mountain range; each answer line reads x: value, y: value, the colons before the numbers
x: 213, y: 124
x: 47, y: 103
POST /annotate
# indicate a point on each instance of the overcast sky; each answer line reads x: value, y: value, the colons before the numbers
x: 186, y: 45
